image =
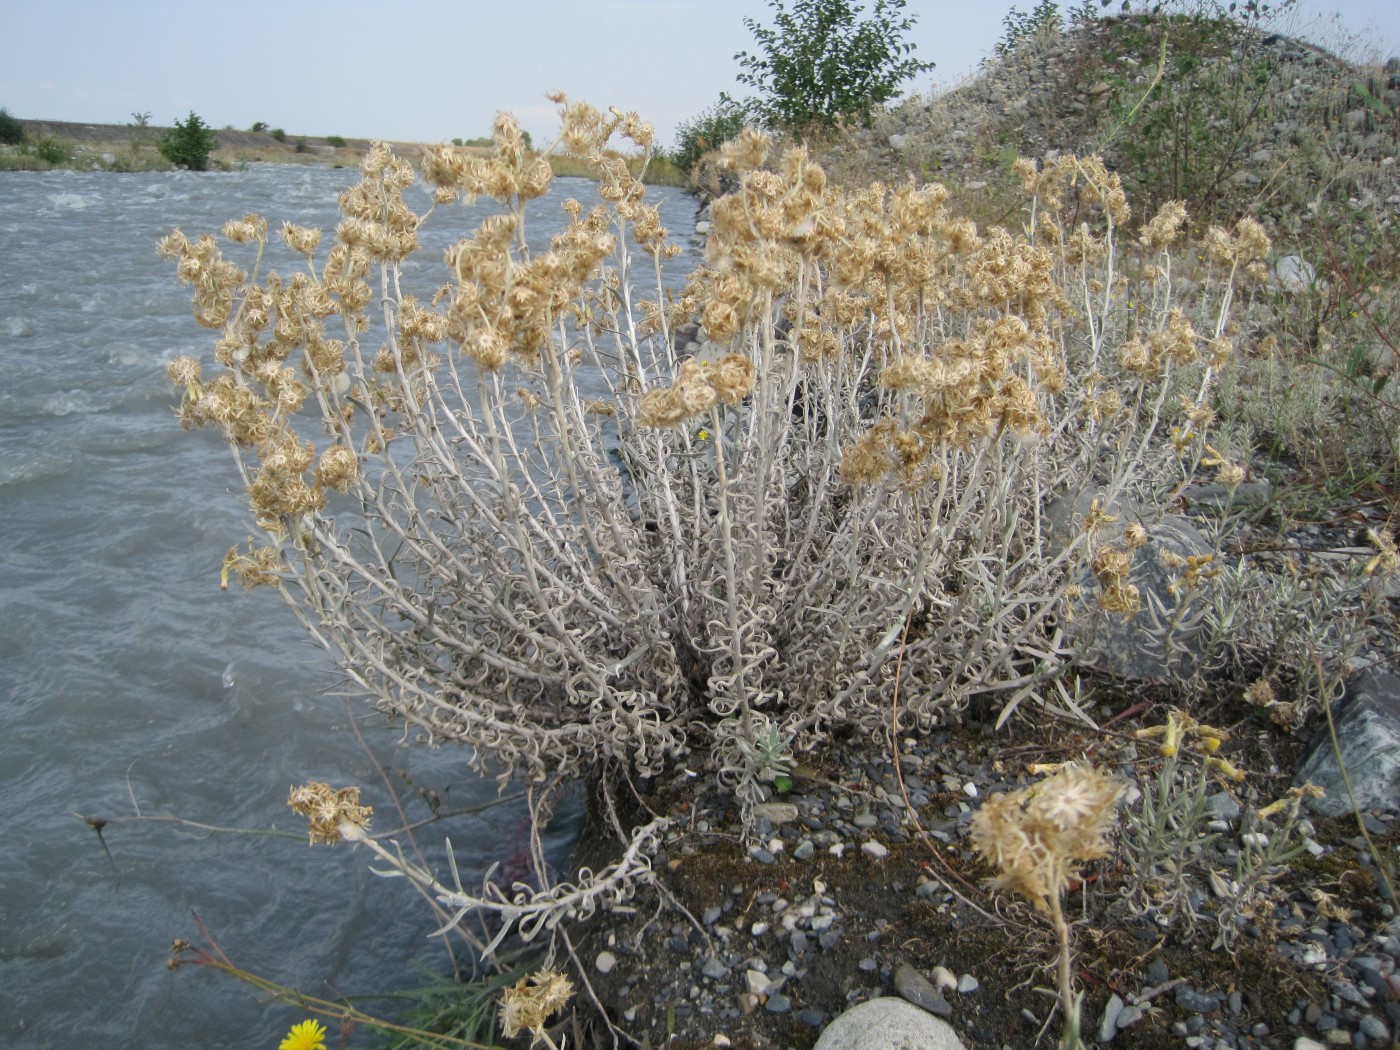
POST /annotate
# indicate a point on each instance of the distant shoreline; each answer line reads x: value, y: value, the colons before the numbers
x: 235, y: 147
x: 127, y: 147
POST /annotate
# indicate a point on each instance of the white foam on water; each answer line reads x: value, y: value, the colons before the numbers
x: 75, y: 201
x: 66, y: 404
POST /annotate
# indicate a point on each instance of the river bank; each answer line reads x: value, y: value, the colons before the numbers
x: 128, y: 147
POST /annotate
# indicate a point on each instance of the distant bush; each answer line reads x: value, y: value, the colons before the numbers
x: 699, y: 135
x: 301, y: 146
x: 189, y: 143
x: 336, y: 141
x: 11, y: 130
x: 278, y: 134
x: 259, y: 126
x: 52, y: 151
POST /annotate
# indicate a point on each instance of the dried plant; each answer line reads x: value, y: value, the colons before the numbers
x: 522, y: 521
x: 1038, y: 839
x: 526, y: 1005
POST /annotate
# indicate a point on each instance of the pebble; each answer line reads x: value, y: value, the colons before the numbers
x: 917, y: 988
x: 1129, y: 1016
x: 875, y: 850
x: 1108, y: 1027
x: 967, y: 984
x: 1374, y: 1028
x: 757, y: 982
x: 605, y: 962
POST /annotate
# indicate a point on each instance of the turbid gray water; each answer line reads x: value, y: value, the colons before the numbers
x: 129, y: 683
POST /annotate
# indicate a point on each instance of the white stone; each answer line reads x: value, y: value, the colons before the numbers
x: 888, y: 1024
x: 757, y: 983
x: 875, y: 850
x: 1294, y: 273
x: 943, y: 979
x: 605, y: 962
x: 775, y: 812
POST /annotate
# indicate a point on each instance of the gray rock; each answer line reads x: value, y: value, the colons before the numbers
x: 1255, y: 493
x: 1198, y: 1002
x: 778, y: 1004
x: 1368, y: 730
x: 1128, y: 1016
x: 1294, y: 274
x: 776, y: 812
x: 1126, y: 646
x: 1108, y: 1027
x: 888, y: 1024
x: 919, y: 990
x: 875, y: 850
x: 1374, y: 1027
x: 1222, y: 806
x: 714, y: 969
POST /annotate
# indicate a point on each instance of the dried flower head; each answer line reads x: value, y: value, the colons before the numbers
x: 332, y: 815
x: 1164, y: 227
x: 527, y: 1004
x: 1387, y: 562
x: 1039, y: 837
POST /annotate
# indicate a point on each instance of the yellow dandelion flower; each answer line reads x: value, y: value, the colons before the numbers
x: 308, y: 1035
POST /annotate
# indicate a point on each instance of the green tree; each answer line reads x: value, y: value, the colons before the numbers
x: 821, y: 63
x: 189, y: 143
x: 708, y: 131
x: 1019, y: 26
x: 11, y: 130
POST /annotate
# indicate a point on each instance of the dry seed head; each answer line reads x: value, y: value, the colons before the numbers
x: 1039, y: 837
x: 745, y: 152
x: 302, y: 239
x: 1121, y: 598
x: 338, y: 468
x: 528, y: 1004
x: 260, y: 567
x: 1164, y: 227
x: 1231, y: 475
x: 332, y: 815
x: 248, y: 228
x: 1260, y: 693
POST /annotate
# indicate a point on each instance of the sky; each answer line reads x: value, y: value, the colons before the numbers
x: 433, y: 70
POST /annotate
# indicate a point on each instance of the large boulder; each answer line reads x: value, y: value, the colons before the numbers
x: 888, y: 1024
x: 1134, y: 647
x: 1368, y: 732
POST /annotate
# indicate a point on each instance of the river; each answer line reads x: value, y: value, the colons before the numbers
x: 131, y: 685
